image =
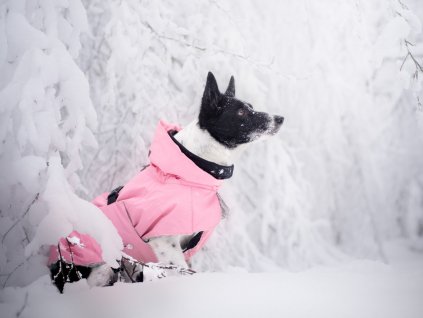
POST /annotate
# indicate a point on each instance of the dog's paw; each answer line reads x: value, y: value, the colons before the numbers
x: 131, y: 272
x: 152, y: 273
x: 102, y: 275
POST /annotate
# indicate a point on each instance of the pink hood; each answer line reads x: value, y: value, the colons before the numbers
x: 172, y: 196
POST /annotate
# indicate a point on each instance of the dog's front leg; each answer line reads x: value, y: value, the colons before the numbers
x: 168, y: 250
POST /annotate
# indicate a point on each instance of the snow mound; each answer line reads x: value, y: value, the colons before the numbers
x: 362, y: 289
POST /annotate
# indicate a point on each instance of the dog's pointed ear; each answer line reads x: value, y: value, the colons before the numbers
x: 211, y: 95
x: 230, y: 91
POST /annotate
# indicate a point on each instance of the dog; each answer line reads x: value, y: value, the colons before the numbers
x: 179, y: 206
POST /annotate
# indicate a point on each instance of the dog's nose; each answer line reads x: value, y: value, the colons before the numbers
x: 278, y: 120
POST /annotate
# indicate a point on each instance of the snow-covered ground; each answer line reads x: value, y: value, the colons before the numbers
x: 357, y: 289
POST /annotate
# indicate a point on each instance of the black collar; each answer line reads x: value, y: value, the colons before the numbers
x: 215, y: 170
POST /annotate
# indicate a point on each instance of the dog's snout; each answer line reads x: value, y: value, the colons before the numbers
x: 278, y: 120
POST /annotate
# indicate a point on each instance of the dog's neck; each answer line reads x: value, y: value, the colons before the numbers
x: 201, y: 143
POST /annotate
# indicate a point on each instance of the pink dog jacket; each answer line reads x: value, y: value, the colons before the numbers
x: 172, y: 196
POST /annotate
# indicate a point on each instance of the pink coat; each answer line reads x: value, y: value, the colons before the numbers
x: 172, y: 196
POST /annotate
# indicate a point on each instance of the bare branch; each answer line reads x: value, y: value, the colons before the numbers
x: 417, y: 65
x: 11, y: 273
x: 204, y: 49
x: 403, y: 62
x: 403, y: 5
x: 419, y: 104
x: 21, y: 217
x: 19, y: 313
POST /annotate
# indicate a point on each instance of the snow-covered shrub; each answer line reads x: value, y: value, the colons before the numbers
x: 46, y: 120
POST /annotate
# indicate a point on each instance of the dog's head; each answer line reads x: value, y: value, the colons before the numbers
x: 231, y: 121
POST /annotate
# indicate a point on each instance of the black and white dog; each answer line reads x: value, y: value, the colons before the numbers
x: 224, y: 127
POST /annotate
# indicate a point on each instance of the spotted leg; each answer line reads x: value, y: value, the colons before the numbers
x: 168, y: 250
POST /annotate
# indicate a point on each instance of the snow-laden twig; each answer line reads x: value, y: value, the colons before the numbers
x: 419, y: 104
x: 418, y: 66
x: 11, y: 273
x: 20, y: 311
x: 72, y: 262
x: 231, y: 20
x: 214, y: 50
x: 21, y: 217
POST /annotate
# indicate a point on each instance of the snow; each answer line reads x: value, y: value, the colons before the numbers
x: 76, y: 214
x: 75, y: 241
x: 362, y: 288
x: 312, y: 211
x: 47, y: 119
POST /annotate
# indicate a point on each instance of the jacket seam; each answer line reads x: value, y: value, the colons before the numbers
x: 192, y: 210
x: 130, y: 219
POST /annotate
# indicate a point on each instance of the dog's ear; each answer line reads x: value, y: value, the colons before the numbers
x: 230, y: 91
x: 211, y: 94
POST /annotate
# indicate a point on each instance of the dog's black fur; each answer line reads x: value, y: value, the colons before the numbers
x: 62, y: 272
x: 231, y: 121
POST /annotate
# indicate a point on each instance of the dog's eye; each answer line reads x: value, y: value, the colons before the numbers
x: 241, y: 112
